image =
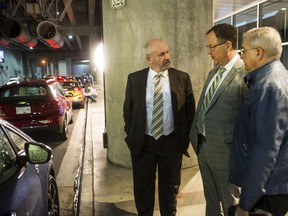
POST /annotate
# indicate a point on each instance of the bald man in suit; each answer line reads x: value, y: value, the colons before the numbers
x: 212, y: 128
x: 150, y: 153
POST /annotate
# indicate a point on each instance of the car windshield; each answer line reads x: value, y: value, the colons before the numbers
x: 69, y: 85
x: 23, y: 91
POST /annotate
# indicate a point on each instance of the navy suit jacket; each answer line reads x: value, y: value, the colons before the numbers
x: 183, y: 106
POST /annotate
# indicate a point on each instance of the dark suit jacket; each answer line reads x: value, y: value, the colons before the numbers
x: 220, y: 115
x: 183, y: 106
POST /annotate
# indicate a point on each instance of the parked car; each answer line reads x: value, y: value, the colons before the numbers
x: 13, y: 80
x: 49, y: 76
x: 37, y: 105
x: 27, y: 175
x: 74, y: 91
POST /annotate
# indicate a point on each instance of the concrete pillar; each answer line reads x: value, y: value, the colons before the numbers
x: 69, y: 67
x: 55, y: 67
x: 182, y: 24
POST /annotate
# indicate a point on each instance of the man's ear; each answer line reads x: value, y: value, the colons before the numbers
x: 148, y: 59
x: 229, y: 45
x: 260, y: 53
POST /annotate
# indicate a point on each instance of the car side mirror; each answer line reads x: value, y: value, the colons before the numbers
x: 37, y: 153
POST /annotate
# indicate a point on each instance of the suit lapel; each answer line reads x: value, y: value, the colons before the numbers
x: 143, y: 84
x: 230, y: 76
x: 210, y: 76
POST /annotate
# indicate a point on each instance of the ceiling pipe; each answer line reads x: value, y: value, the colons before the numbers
x: 13, y: 30
x: 3, y: 41
x: 48, y: 31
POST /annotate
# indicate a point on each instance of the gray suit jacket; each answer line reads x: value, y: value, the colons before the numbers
x: 183, y: 107
x: 220, y: 115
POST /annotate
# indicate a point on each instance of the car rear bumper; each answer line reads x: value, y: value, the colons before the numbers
x: 47, y: 124
x: 53, y: 128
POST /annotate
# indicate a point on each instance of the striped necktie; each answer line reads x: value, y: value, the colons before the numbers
x: 207, y: 99
x: 157, y: 115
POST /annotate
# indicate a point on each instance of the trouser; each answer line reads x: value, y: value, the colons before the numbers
x: 217, y: 190
x: 166, y: 156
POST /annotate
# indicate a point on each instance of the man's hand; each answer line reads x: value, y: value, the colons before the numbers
x: 240, y: 212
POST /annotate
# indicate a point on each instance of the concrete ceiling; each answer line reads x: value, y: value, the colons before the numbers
x: 81, y: 19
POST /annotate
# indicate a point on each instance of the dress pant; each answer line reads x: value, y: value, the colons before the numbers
x: 217, y: 190
x: 277, y: 205
x: 164, y: 155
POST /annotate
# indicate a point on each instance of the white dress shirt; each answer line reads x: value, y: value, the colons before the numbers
x: 168, y: 121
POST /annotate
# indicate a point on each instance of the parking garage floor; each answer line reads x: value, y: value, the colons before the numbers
x: 107, y: 189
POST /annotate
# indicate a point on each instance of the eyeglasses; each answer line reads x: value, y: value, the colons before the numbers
x: 242, y: 51
x: 210, y: 47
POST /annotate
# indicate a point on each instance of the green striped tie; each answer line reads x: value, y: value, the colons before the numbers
x: 157, y: 115
x: 207, y: 99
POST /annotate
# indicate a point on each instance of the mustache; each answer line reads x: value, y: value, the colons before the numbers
x: 167, y: 61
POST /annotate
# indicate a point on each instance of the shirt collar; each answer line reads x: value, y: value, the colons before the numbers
x: 231, y: 63
x: 152, y: 73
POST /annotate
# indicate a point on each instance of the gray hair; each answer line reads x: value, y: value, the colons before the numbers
x: 267, y: 38
x: 147, y: 46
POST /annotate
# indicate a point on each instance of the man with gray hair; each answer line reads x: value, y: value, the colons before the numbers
x: 259, y: 156
x: 158, y: 112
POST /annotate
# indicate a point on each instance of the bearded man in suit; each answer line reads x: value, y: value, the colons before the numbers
x: 164, y: 151
x: 212, y: 128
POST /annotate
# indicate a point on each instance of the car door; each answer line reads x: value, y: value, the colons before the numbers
x: 21, y: 189
x: 65, y: 101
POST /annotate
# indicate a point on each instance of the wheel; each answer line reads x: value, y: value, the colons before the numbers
x: 53, y: 198
x: 82, y: 105
x: 71, y: 120
x: 63, y: 135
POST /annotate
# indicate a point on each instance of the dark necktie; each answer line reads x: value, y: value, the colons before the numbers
x: 207, y: 99
x: 157, y: 115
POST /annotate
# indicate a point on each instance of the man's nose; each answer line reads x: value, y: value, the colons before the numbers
x: 167, y: 56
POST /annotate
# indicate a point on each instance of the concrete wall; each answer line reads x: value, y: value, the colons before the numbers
x: 12, y: 67
x: 182, y: 24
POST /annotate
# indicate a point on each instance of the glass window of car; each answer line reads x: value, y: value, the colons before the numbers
x: 16, y: 139
x: 53, y: 90
x: 69, y: 85
x: 24, y: 91
x: 8, y: 165
x: 60, y: 89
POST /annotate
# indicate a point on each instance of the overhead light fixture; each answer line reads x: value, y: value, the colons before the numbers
x: 48, y: 32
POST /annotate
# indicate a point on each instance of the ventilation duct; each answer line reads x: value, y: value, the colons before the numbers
x: 48, y: 32
x: 17, y: 32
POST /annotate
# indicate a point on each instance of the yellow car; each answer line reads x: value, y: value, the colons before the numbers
x: 74, y: 92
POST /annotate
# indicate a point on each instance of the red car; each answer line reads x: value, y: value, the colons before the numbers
x: 36, y: 106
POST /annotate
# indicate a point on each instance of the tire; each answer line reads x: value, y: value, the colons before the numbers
x: 53, y: 197
x: 63, y: 135
x: 71, y: 120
